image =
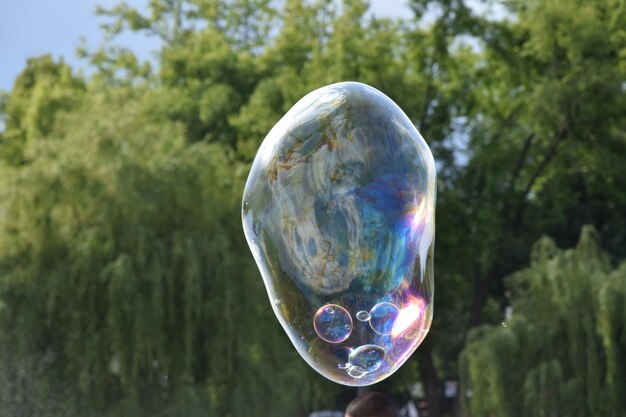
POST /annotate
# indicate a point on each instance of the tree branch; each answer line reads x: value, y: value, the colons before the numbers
x: 554, y: 144
x: 430, y: 89
x: 520, y: 160
x: 548, y: 157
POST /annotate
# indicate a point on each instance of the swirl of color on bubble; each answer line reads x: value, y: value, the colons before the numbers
x: 339, y: 213
x: 332, y: 323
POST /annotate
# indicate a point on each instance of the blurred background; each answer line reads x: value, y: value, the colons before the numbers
x: 126, y: 286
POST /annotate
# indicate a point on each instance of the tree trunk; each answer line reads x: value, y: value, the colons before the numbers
x: 433, y: 387
x: 480, y: 291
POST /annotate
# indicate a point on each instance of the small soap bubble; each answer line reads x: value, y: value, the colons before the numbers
x: 504, y: 324
x: 382, y: 318
x: 367, y: 358
x: 332, y: 323
x: 363, y: 315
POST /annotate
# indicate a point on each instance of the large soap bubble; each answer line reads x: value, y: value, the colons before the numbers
x: 339, y: 213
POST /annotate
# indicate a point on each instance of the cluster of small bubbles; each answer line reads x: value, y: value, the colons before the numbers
x: 363, y: 315
x: 366, y: 358
x: 332, y: 323
x: 382, y: 318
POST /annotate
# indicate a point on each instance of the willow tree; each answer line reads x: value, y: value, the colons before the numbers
x: 126, y: 286
x: 562, y: 352
x: 42, y: 90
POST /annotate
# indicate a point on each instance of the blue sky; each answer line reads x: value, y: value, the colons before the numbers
x: 34, y: 27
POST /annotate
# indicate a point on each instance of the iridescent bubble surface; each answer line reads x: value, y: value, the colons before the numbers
x: 338, y: 211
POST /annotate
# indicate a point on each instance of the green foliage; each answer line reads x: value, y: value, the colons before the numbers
x: 125, y: 275
x: 562, y: 351
x: 43, y: 90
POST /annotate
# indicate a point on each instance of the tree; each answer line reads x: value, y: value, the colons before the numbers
x: 566, y: 337
x: 118, y: 221
x: 44, y: 89
x: 126, y: 286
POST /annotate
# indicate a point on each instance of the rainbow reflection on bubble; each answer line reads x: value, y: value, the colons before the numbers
x: 339, y: 211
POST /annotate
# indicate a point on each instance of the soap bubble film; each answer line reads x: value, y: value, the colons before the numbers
x: 339, y: 211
